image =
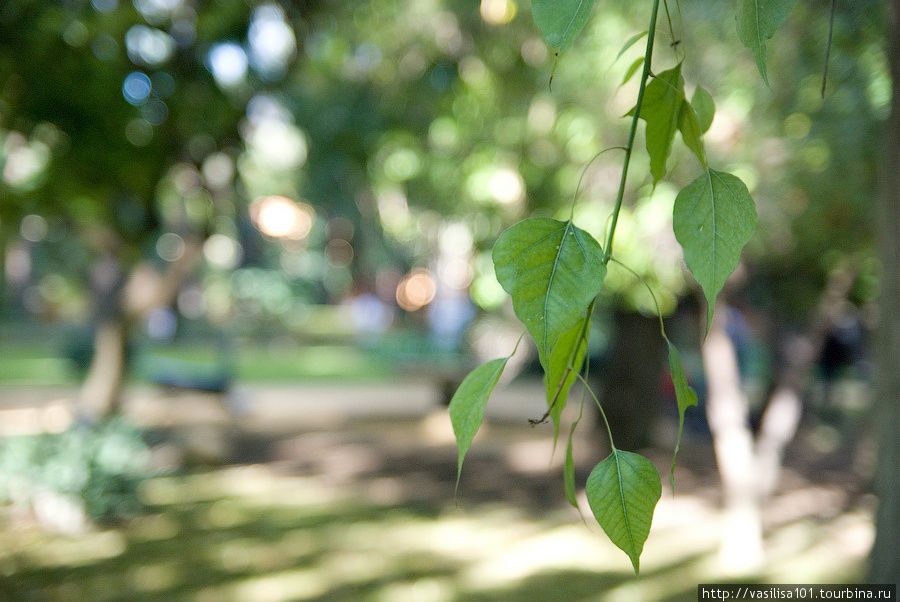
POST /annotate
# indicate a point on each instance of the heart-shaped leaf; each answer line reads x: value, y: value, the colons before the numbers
x: 713, y: 218
x: 468, y: 403
x: 552, y: 270
x: 622, y: 492
x: 560, y: 21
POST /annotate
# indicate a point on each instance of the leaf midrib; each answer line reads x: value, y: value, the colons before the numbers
x: 571, y: 21
x: 624, y: 507
x: 546, y: 311
x: 715, y: 227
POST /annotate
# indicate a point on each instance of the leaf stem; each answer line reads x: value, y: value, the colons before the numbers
x: 828, y: 48
x: 583, y: 173
x: 582, y: 335
x: 662, y: 328
x: 587, y: 387
x: 648, y: 56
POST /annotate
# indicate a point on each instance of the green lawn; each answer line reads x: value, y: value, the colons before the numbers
x: 43, y: 364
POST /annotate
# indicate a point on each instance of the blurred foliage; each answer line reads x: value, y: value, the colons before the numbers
x: 97, y: 467
x: 406, y: 135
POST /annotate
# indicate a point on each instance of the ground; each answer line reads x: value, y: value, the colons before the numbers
x: 345, y: 492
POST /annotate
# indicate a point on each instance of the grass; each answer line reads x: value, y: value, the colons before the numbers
x: 43, y: 365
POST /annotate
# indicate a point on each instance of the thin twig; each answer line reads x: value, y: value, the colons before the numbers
x: 828, y: 48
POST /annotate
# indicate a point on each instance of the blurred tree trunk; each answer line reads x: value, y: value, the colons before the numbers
x: 885, y: 561
x: 728, y: 414
x: 102, y: 387
x: 631, y: 385
x: 750, y: 467
x: 120, y: 302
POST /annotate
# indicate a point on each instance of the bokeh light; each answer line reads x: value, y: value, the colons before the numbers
x: 170, y: 247
x: 136, y: 88
x: 498, y: 12
x: 416, y: 290
x: 228, y: 64
x: 280, y: 217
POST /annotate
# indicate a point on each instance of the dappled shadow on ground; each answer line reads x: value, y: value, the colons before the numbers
x: 365, y: 511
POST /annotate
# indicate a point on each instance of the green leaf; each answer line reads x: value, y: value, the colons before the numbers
x: 552, y: 270
x: 684, y: 395
x: 632, y: 69
x: 569, y: 351
x: 713, y: 219
x: 757, y: 22
x: 560, y: 21
x: 661, y: 109
x: 705, y: 108
x: 630, y: 42
x: 622, y: 492
x: 468, y: 403
x: 689, y: 126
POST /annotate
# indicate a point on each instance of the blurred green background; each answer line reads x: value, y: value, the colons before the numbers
x: 275, y: 219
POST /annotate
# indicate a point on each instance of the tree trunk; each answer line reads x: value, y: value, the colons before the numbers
x: 885, y: 560
x: 727, y: 410
x: 121, y: 301
x: 631, y: 385
x: 101, y: 390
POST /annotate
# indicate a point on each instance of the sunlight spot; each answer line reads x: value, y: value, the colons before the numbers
x: 155, y: 527
x: 287, y: 585
x: 498, y: 12
x: 86, y: 550
x: 223, y: 251
x: 218, y: 170
x: 272, y: 41
x: 148, y: 45
x: 228, y: 64
x: 416, y: 290
x: 280, y: 217
x: 506, y: 186
x: 153, y: 577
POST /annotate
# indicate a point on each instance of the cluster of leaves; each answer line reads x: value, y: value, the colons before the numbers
x: 554, y: 270
x: 97, y: 466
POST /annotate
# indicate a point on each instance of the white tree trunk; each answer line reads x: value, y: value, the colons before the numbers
x: 741, y: 549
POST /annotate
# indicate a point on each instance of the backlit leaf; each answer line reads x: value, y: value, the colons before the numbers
x: 705, y: 108
x: 713, y: 219
x: 757, y: 22
x: 689, y: 126
x: 661, y: 109
x: 552, y: 270
x: 630, y: 42
x: 468, y: 403
x: 622, y: 492
x: 566, y: 359
x: 560, y: 21
x: 684, y: 395
x: 632, y: 69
